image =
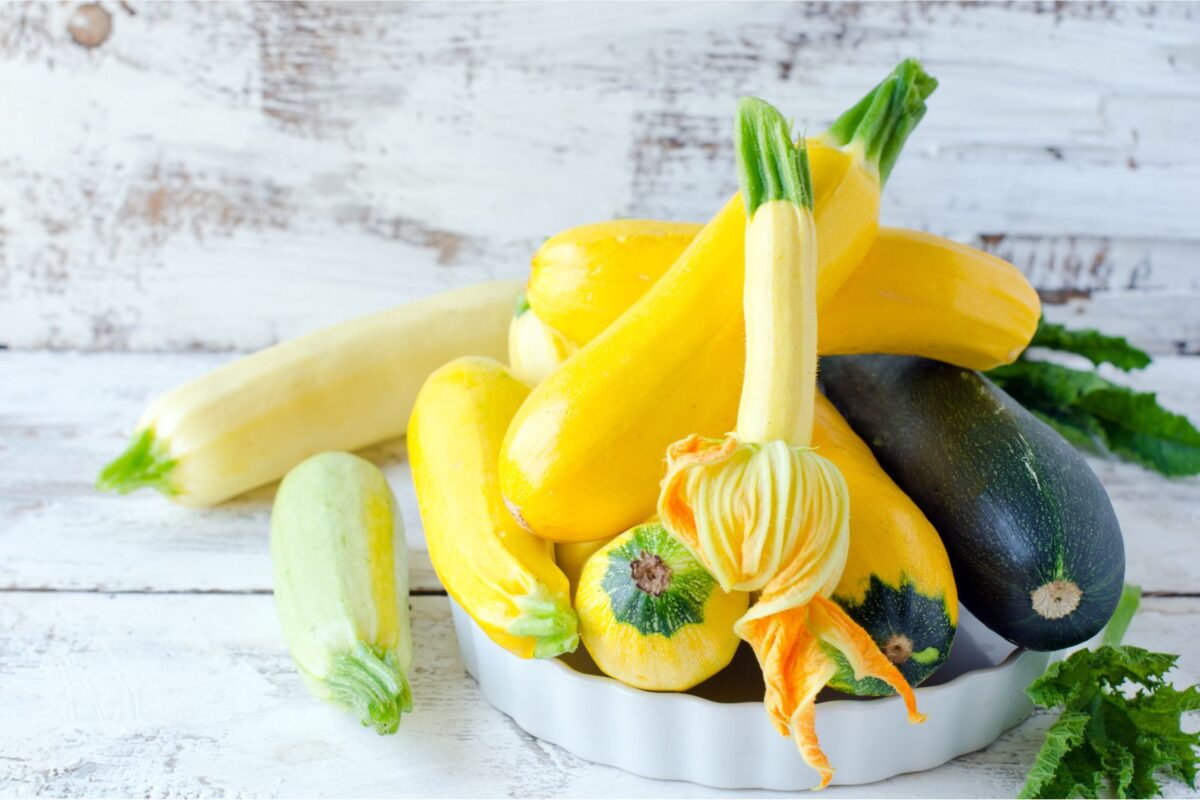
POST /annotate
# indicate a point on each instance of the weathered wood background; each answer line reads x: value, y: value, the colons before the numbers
x: 217, y: 176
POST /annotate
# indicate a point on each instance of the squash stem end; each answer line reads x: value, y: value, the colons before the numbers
x: 549, y: 620
x: 882, y: 121
x: 145, y: 462
x: 374, y: 687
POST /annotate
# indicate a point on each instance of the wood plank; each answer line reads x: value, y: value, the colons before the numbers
x: 133, y: 695
x: 226, y: 175
x: 62, y: 416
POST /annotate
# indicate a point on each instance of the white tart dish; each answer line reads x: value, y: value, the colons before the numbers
x: 718, y: 734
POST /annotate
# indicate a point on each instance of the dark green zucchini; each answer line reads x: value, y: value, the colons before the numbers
x: 1033, y: 541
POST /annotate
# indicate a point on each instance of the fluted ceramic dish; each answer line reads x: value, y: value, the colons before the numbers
x: 718, y: 734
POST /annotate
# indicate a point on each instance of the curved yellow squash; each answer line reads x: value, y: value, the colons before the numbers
x: 897, y: 583
x: 923, y: 295
x: 504, y: 577
x: 583, y: 457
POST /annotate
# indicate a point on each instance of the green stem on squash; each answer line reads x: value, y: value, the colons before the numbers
x: 374, y: 687
x: 145, y: 462
x: 881, y: 122
x: 770, y: 166
x: 549, y: 620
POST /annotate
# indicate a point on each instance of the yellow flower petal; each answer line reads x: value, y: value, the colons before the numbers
x: 761, y: 517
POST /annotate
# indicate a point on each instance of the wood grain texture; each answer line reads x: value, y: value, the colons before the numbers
x: 221, y: 176
x: 163, y: 696
x: 63, y: 416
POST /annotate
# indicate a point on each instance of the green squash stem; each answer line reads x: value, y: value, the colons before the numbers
x: 881, y: 122
x: 375, y: 688
x: 549, y: 620
x: 145, y: 462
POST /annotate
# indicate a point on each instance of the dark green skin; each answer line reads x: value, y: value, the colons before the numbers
x: 1016, y: 505
x: 889, y: 611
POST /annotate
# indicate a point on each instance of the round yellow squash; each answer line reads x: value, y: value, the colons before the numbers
x: 651, y: 616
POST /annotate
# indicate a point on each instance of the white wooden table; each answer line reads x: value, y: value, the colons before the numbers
x: 208, y: 179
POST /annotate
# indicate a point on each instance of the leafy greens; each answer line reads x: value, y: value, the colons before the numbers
x: 1120, y: 727
x: 1097, y: 414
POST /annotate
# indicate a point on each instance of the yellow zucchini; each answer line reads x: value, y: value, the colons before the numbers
x: 924, y: 295
x: 583, y: 457
x: 340, y: 388
x: 501, y: 575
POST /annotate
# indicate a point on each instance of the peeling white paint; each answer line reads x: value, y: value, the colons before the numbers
x: 220, y: 176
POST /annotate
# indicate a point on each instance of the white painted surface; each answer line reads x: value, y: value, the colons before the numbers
x: 221, y: 175
x: 127, y: 695
x: 216, y: 177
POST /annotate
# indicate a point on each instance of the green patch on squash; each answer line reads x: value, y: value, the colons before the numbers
x: 912, y: 629
x: 654, y: 583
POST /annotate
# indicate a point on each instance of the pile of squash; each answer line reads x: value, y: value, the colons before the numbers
x: 541, y: 483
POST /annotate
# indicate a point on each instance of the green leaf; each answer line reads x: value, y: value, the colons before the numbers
x: 1118, y: 623
x: 1078, y: 428
x: 1045, y: 386
x: 1095, y: 413
x: 1137, y: 428
x: 1116, y: 761
x: 1093, y: 345
x: 1121, y: 725
x: 1063, y: 735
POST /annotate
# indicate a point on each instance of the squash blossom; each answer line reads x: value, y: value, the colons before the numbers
x: 761, y: 509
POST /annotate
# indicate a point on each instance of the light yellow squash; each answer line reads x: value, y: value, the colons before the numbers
x: 340, y: 388
x: 534, y: 348
x: 341, y: 586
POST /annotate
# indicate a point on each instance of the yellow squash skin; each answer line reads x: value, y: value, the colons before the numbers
x: 504, y: 577
x: 583, y: 457
x: 571, y: 556
x: 929, y: 296
x: 895, y: 555
x: 924, y: 295
x: 341, y: 388
x: 611, y: 608
x: 583, y: 274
